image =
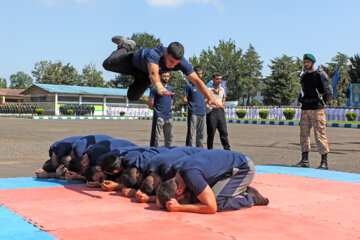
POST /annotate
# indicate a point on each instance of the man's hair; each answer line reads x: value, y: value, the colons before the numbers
x: 163, y: 71
x: 147, y: 186
x: 216, y: 74
x: 75, y: 165
x: 197, y: 68
x: 176, y: 50
x: 166, y: 191
x: 128, y: 177
x: 110, y: 163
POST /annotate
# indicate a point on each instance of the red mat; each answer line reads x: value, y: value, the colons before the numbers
x: 300, y: 208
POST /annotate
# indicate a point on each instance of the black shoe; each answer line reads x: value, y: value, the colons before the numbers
x: 323, y: 164
x: 304, y: 160
x: 258, y: 198
x: 302, y: 163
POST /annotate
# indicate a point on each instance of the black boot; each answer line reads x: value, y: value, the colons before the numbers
x: 323, y: 164
x: 304, y: 160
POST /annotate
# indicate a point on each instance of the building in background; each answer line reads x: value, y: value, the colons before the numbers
x: 50, y: 97
x: 8, y: 95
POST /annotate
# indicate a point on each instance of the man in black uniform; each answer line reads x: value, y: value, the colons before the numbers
x: 315, y: 94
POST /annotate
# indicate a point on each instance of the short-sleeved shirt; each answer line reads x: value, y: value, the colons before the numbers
x: 156, y: 55
x: 120, y: 152
x: 141, y: 157
x: 162, y: 104
x: 63, y: 147
x: 196, y: 102
x: 83, y: 143
x: 208, y: 167
x: 164, y: 164
x: 218, y: 96
x: 96, y: 150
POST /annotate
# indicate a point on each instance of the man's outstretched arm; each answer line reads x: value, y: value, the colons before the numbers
x: 193, y: 77
x: 155, y: 79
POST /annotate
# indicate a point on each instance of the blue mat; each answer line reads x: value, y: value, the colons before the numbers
x: 309, y: 172
x: 31, y: 182
x: 15, y: 227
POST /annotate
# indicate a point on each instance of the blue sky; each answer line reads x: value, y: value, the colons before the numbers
x: 79, y: 31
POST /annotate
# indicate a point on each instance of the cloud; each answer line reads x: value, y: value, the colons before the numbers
x: 177, y: 3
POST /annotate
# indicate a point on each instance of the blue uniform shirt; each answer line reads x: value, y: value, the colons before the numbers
x: 63, y: 147
x: 95, y: 151
x: 83, y: 143
x: 120, y: 152
x: 156, y: 55
x: 210, y: 166
x: 164, y: 164
x: 141, y: 158
x: 196, y: 102
x: 162, y: 104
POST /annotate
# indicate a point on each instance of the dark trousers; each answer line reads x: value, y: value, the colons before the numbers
x: 216, y: 120
x: 120, y: 61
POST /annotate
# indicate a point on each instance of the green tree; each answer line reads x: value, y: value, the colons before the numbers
x: 143, y: 40
x: 227, y: 60
x: 178, y: 82
x: 20, y: 80
x: 283, y: 85
x: 340, y: 62
x: 354, y: 71
x: 3, y: 83
x: 92, y: 77
x: 56, y: 73
x: 48, y: 72
x: 70, y: 76
x: 251, y: 73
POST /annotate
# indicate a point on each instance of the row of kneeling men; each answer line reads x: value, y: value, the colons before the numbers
x: 176, y: 178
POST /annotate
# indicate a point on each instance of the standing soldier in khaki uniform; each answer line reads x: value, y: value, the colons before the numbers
x: 315, y: 95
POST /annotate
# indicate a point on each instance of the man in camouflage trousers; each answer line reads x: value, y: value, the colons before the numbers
x: 315, y: 95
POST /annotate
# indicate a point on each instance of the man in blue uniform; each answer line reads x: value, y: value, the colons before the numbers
x: 196, y: 111
x: 219, y: 178
x: 92, y: 156
x: 60, y: 154
x: 161, y: 168
x: 135, y: 157
x: 162, y: 117
x: 146, y: 64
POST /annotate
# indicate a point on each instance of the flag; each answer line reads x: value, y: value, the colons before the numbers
x: 336, y: 79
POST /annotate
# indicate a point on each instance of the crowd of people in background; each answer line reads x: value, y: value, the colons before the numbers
x: 18, y: 108
x: 77, y: 110
x: 275, y: 112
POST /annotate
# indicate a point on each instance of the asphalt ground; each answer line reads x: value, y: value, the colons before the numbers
x: 24, y: 143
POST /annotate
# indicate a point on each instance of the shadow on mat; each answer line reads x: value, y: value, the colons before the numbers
x: 85, y: 190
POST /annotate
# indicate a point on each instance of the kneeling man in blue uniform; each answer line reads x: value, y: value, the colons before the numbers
x: 219, y: 178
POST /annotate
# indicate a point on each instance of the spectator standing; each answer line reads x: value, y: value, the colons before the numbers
x: 162, y: 118
x: 196, y: 111
x: 215, y: 116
